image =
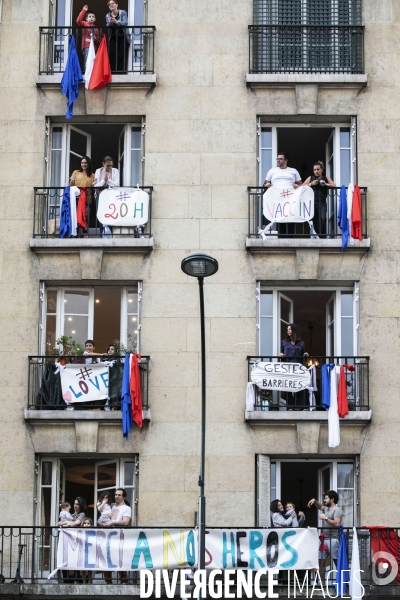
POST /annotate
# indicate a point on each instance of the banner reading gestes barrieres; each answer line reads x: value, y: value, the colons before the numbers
x: 136, y: 549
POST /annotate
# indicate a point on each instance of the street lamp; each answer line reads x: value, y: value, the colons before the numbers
x: 200, y: 266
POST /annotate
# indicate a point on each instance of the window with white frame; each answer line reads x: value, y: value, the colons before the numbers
x: 104, y: 314
x: 67, y: 144
x: 299, y: 480
x: 328, y: 319
x: 62, y: 479
x: 334, y: 144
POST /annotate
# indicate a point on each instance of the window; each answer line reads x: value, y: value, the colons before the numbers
x: 335, y: 145
x: 100, y: 313
x: 328, y: 41
x: 300, y: 480
x: 328, y: 320
x: 65, y: 12
x: 63, y: 479
x: 68, y: 143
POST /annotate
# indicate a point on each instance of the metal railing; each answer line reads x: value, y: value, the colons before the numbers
x: 29, y: 554
x: 44, y: 384
x: 357, y: 384
x: 325, y: 227
x: 47, y: 210
x: 130, y: 49
x: 306, y: 49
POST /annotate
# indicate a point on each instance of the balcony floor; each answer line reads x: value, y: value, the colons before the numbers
x: 283, y: 417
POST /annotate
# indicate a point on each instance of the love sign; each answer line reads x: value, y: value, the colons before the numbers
x: 84, y: 382
x: 128, y: 207
x: 288, y: 205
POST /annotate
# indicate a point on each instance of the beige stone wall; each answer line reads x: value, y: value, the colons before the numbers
x: 200, y: 157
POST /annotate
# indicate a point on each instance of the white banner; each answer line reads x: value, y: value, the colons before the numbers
x: 84, y: 383
x: 123, y: 207
x: 288, y: 205
x: 262, y: 549
x: 126, y: 549
x: 285, y: 376
x: 136, y: 549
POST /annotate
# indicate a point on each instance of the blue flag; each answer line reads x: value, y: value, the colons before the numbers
x: 72, y: 77
x: 342, y: 576
x: 65, y: 216
x: 342, y: 217
x: 126, y: 403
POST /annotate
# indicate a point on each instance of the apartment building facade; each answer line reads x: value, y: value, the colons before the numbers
x: 209, y: 94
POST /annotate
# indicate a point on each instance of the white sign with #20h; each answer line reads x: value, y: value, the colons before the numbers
x: 288, y: 377
x: 123, y: 207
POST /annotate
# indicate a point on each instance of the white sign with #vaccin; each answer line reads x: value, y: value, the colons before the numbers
x: 288, y: 205
x: 288, y: 377
x: 123, y: 207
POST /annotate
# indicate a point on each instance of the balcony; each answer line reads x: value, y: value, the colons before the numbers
x: 46, y: 404
x: 29, y: 555
x: 303, y: 256
x: 291, y: 54
x: 283, y: 407
x: 46, y: 226
x: 136, y: 70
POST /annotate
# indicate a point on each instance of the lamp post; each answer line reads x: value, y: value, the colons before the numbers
x: 200, y: 266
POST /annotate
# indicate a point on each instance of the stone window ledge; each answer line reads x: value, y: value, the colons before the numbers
x: 68, y: 416
x: 274, y: 242
x: 260, y: 417
x: 292, y: 79
x: 73, y: 245
x: 131, y: 80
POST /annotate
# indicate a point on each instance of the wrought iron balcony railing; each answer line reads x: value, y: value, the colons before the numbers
x: 325, y: 228
x: 357, y: 384
x: 29, y: 554
x: 44, y: 383
x: 47, y: 210
x: 131, y: 50
x: 306, y: 49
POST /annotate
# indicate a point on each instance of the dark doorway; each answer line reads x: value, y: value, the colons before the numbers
x: 305, y: 146
x: 299, y: 483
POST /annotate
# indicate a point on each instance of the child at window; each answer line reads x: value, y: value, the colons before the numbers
x: 86, y: 33
x: 104, y: 507
x: 87, y: 576
x: 65, y: 514
x: 299, y: 519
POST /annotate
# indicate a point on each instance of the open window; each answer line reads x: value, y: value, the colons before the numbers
x: 299, y: 480
x: 328, y: 319
x: 101, y: 313
x: 334, y: 144
x: 67, y: 144
x: 63, y: 479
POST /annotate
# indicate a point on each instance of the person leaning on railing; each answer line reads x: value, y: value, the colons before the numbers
x: 320, y: 184
x: 84, y: 178
x: 118, y: 37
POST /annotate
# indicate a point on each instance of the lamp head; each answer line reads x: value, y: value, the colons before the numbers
x: 199, y: 265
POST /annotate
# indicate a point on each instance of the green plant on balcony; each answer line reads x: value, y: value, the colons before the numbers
x: 64, y: 346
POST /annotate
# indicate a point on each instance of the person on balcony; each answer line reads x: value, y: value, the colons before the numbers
x: 118, y: 38
x: 320, y: 184
x: 106, y: 176
x: 121, y: 514
x: 278, y: 515
x: 83, y: 178
x: 331, y: 517
x: 283, y: 176
x: 87, y: 19
x: 292, y: 350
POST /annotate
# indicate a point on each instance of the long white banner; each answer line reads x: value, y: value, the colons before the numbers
x: 284, y: 377
x: 136, y: 549
x: 84, y: 383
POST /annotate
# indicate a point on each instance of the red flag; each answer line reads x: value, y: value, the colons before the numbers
x: 101, y: 73
x: 136, y: 392
x: 81, y: 209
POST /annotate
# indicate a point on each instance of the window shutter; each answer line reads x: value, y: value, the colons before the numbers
x: 263, y: 491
